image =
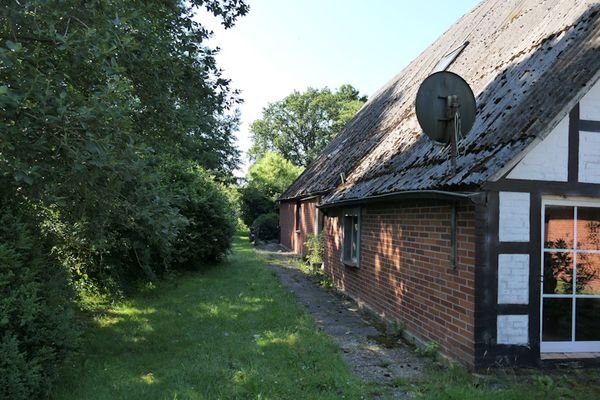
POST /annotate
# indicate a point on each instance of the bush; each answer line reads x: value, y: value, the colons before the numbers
x: 108, y: 243
x: 315, y: 246
x: 211, y: 217
x: 36, y: 321
x: 161, y: 218
x: 254, y: 203
x: 266, y: 226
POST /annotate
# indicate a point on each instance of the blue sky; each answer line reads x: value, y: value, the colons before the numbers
x: 286, y: 45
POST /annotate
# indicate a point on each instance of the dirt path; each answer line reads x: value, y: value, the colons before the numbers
x: 372, y: 356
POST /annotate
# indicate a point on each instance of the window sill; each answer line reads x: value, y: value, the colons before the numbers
x: 298, y: 231
x: 350, y: 263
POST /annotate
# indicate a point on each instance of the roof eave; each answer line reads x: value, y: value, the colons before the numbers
x: 475, y: 197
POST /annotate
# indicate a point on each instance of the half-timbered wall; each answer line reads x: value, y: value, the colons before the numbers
x: 565, y: 165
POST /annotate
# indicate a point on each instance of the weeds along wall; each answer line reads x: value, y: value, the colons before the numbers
x: 404, y: 270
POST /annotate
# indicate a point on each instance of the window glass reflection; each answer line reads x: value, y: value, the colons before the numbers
x: 558, y: 273
x: 559, y: 227
x: 588, y: 273
x: 588, y: 228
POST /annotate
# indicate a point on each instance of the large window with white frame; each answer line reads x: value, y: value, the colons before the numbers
x: 570, y: 303
x: 351, y: 243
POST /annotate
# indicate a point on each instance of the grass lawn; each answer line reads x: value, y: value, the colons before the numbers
x: 231, y: 332
x: 227, y: 332
x: 456, y: 383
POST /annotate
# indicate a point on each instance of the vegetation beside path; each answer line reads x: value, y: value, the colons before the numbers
x: 228, y: 332
x: 231, y: 332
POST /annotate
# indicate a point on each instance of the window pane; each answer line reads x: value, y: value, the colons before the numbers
x: 558, y: 227
x: 354, y: 238
x: 587, y: 324
x: 588, y: 228
x: 347, y: 237
x: 558, y: 273
x: 588, y: 273
x: 556, y: 326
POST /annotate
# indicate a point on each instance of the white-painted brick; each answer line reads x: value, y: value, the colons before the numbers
x: 549, y: 160
x: 513, y: 279
x: 514, y: 217
x: 589, y: 157
x: 513, y: 329
x: 589, y: 106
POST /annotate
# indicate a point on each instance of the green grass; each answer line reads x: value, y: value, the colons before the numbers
x: 231, y: 332
x: 456, y: 383
x: 228, y: 332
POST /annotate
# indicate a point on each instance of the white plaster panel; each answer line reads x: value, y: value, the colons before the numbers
x: 549, y: 160
x: 589, y: 106
x: 514, y: 217
x: 589, y: 157
x: 513, y: 329
x: 513, y: 279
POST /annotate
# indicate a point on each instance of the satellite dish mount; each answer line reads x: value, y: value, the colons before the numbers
x: 445, y: 108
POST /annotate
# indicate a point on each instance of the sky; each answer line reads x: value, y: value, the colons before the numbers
x: 286, y: 45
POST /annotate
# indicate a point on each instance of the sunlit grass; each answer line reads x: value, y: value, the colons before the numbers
x: 229, y: 331
x: 456, y: 383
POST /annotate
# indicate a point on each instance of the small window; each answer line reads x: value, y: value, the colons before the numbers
x: 351, y: 247
x: 297, y: 222
x: 449, y: 58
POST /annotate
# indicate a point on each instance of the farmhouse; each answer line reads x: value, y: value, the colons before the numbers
x: 497, y: 259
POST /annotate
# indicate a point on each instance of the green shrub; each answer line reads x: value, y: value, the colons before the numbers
x: 254, y: 203
x: 109, y: 243
x: 266, y: 226
x: 315, y: 246
x: 36, y: 321
x: 173, y: 216
x: 206, y: 206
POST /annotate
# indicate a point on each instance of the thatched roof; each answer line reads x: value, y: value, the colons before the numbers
x: 527, y: 61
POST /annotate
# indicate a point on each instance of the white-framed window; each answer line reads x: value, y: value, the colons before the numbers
x: 351, y: 243
x: 570, y: 295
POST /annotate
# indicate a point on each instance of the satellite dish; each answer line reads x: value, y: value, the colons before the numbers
x: 445, y: 107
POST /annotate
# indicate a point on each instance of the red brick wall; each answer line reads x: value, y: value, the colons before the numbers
x: 286, y: 223
x: 404, y: 271
x: 293, y: 237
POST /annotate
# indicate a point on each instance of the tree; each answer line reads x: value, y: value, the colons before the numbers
x: 272, y: 174
x: 97, y: 98
x: 267, y: 179
x: 300, y: 126
x: 93, y: 97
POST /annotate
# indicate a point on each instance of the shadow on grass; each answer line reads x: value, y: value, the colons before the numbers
x: 228, y: 331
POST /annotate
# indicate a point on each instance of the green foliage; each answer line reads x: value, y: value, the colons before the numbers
x: 272, y: 174
x: 36, y: 323
x: 93, y: 96
x: 255, y: 202
x: 300, y: 126
x: 315, y: 247
x: 267, y: 179
x: 227, y: 333
x: 267, y: 226
x: 429, y: 349
x: 210, y: 217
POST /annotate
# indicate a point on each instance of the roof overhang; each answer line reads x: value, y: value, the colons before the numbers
x: 474, y: 197
x: 304, y: 197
